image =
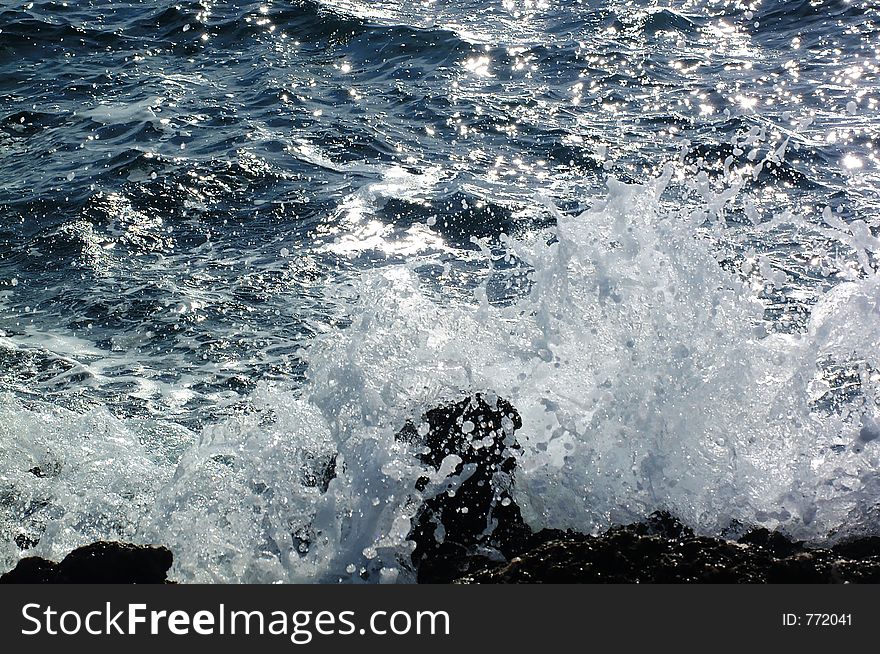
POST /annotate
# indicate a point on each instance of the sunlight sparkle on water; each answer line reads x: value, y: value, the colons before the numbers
x: 478, y: 66
x: 851, y: 162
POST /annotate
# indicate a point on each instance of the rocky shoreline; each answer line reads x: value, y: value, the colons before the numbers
x: 657, y: 550
x: 662, y: 550
x: 98, y: 563
x: 471, y: 445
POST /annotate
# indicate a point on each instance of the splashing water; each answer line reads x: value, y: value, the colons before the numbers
x: 225, y: 292
x: 643, y: 371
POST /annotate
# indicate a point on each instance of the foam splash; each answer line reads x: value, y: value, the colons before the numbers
x: 69, y: 478
x: 643, y: 371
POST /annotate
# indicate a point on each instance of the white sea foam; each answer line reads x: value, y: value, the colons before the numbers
x: 644, y: 373
x: 70, y: 478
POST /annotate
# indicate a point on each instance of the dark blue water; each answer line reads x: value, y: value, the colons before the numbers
x: 192, y: 195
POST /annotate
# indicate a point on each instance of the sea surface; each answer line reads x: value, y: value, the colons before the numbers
x: 238, y: 239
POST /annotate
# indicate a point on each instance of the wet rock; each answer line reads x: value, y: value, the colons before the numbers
x: 776, y: 543
x: 469, y: 517
x: 98, y: 563
x: 469, y: 528
x: 661, y: 523
x: 661, y: 550
x: 25, y: 542
x: 859, y: 548
x: 32, y: 570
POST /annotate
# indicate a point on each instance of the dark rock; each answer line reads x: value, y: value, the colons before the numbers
x: 639, y: 554
x: 470, y: 529
x: 105, y: 562
x: 25, y: 542
x: 32, y: 570
x: 773, y: 541
x: 662, y: 523
x: 859, y: 548
x: 476, y: 534
x: 471, y: 519
x: 98, y: 563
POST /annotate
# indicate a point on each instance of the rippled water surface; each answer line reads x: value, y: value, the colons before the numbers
x: 237, y: 238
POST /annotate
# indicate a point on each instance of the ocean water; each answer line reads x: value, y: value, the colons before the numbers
x: 240, y: 238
